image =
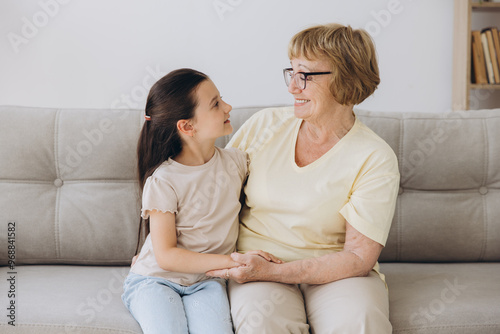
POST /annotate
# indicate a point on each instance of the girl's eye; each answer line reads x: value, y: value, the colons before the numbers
x: 218, y: 101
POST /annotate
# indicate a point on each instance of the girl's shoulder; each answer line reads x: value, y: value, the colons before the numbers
x: 163, y: 170
x: 159, y: 193
x: 237, y: 157
x: 231, y: 152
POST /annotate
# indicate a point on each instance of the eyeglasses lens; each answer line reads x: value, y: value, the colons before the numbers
x: 300, y: 80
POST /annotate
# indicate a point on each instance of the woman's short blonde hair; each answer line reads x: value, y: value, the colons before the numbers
x: 351, y: 54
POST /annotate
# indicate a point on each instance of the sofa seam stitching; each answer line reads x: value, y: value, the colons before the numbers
x: 400, y: 215
x: 483, y: 197
x: 78, y: 326
x: 67, y: 181
x: 411, y: 329
x: 56, y: 213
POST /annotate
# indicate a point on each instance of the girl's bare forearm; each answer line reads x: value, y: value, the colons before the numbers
x: 185, y: 261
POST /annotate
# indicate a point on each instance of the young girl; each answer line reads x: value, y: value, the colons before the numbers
x: 190, y: 205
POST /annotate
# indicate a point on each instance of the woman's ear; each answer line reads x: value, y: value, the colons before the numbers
x: 184, y: 126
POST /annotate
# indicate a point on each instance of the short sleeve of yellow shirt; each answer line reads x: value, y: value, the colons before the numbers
x: 300, y: 212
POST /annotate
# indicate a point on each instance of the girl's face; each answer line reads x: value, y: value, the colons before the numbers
x: 211, y: 116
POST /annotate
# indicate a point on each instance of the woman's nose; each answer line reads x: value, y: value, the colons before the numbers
x: 293, y: 88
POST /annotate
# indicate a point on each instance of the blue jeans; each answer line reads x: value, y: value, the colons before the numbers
x: 161, y: 306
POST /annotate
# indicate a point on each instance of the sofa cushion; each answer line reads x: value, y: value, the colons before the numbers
x: 443, y: 298
x: 67, y: 178
x: 424, y: 298
x: 68, y: 299
x: 447, y: 209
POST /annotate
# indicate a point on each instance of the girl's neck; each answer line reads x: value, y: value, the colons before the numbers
x: 195, y: 154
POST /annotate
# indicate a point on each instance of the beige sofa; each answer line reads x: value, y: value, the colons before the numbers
x: 69, y: 213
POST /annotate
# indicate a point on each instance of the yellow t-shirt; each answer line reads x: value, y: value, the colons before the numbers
x: 300, y: 212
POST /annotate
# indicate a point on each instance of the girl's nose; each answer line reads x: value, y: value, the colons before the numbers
x: 228, y: 108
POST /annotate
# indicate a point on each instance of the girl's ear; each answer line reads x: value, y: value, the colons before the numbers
x: 184, y: 126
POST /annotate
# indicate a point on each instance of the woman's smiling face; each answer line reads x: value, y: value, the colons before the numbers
x: 316, y: 98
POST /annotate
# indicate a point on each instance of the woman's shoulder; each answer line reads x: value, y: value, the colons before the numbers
x: 274, y: 115
x: 261, y: 127
x: 368, y: 138
x: 370, y: 147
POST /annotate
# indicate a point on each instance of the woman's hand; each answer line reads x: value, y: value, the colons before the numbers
x: 268, y: 256
x: 254, y: 267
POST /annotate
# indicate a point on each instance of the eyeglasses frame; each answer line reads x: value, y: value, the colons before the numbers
x: 306, y: 74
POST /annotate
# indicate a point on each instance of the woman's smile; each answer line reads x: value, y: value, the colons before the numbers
x: 300, y: 102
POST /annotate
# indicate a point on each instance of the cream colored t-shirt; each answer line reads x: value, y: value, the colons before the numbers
x: 300, y: 212
x: 206, y: 203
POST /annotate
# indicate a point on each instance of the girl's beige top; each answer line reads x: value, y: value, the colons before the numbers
x: 205, y: 201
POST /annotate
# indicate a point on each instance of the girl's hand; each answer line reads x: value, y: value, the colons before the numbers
x: 134, y: 259
x: 253, y: 267
x: 268, y: 256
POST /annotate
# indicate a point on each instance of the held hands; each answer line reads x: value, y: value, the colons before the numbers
x: 268, y: 256
x: 254, y: 265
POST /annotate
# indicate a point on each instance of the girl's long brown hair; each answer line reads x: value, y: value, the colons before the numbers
x: 171, y: 99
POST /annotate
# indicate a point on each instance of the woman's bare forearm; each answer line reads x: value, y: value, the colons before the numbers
x: 358, y: 258
x: 320, y: 270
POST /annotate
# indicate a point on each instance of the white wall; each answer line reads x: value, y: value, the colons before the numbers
x: 108, y: 53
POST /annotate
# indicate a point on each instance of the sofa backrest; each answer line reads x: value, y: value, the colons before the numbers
x: 448, y: 206
x: 67, y: 180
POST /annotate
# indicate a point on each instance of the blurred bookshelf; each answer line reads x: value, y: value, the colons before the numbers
x: 471, y: 16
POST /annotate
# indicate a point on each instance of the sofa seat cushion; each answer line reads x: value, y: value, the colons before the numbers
x: 444, y: 297
x: 67, y: 299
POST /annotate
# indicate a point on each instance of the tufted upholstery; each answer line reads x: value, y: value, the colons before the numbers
x: 448, y: 207
x: 68, y: 181
x: 67, y: 178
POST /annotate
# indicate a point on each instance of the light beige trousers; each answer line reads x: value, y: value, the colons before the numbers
x: 353, y: 305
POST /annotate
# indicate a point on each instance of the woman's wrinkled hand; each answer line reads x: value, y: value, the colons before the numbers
x: 254, y: 267
x: 268, y: 256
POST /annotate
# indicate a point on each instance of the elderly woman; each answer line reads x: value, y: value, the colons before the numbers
x: 321, y: 196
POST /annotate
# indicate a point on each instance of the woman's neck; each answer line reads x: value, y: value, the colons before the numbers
x: 331, y: 127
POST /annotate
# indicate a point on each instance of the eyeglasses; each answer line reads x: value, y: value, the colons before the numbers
x: 300, y: 77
